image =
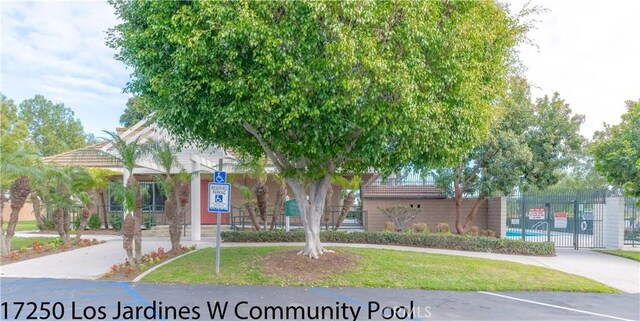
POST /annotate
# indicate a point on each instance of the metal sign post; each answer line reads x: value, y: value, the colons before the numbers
x: 219, y: 202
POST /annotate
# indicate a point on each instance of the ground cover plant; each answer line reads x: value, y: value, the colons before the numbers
x: 129, y: 270
x: 25, y: 248
x: 359, y: 267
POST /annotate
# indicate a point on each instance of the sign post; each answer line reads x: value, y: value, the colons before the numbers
x: 220, y: 202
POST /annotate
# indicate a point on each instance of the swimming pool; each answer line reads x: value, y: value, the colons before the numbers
x: 527, y: 233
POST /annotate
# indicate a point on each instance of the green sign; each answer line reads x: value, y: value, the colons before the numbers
x: 291, y: 208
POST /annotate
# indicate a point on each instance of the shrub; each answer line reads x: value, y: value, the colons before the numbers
x: 400, y: 215
x: 115, y: 220
x: 441, y: 241
x: 49, y: 223
x: 421, y: 228
x: 149, y: 221
x: 75, y: 222
x: 389, y: 227
x: 443, y: 228
x: 94, y: 222
x: 489, y: 233
x: 474, y: 231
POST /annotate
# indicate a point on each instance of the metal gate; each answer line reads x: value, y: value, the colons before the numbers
x: 570, y: 219
x: 631, y: 222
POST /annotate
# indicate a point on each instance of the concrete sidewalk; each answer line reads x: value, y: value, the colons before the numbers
x: 92, y: 262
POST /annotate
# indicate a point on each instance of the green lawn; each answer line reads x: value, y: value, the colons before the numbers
x: 18, y: 242
x: 633, y: 255
x: 378, y: 268
x: 26, y: 226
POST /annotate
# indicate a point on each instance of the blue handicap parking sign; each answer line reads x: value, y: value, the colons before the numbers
x: 219, y: 177
x: 219, y: 197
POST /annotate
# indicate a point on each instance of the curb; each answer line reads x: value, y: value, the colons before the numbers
x: 153, y: 268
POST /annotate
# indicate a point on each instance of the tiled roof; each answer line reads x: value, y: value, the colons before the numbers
x: 90, y: 156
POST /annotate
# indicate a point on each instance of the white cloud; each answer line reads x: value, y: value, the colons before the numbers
x: 588, y: 52
x: 58, y: 49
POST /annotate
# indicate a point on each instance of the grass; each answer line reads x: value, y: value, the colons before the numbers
x: 19, y: 242
x: 26, y: 226
x: 632, y: 255
x: 380, y: 269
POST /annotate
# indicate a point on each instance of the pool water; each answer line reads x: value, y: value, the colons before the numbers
x: 519, y: 233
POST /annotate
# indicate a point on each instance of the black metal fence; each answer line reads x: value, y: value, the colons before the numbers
x: 568, y: 218
x: 631, y: 222
x: 356, y: 219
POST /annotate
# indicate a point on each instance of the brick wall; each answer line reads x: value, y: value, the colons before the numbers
x: 432, y: 211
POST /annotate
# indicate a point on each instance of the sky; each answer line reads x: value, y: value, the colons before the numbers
x: 586, y: 50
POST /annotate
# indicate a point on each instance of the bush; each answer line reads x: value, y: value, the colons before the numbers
x: 440, y: 241
x: 389, y: 227
x: 443, y: 228
x: 149, y: 221
x: 94, y: 222
x: 421, y: 228
x: 75, y: 223
x: 49, y: 223
x: 489, y: 233
x: 474, y: 231
x: 115, y: 220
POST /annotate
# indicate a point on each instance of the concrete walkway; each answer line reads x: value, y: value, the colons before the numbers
x: 92, y: 262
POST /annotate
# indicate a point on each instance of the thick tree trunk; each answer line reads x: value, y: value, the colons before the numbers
x: 83, y: 223
x: 348, y: 201
x: 20, y: 190
x: 327, y: 207
x: 37, y: 210
x: 105, y: 216
x: 311, y: 198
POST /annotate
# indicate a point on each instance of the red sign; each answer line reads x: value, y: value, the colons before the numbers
x: 536, y: 213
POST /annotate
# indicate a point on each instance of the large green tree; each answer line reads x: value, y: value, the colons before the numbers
x: 52, y: 127
x: 136, y: 110
x: 320, y: 87
x: 617, y: 151
x: 529, y: 146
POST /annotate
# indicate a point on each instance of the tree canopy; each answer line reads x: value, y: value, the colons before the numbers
x: 321, y: 87
x: 136, y: 110
x: 617, y: 151
x: 52, y: 128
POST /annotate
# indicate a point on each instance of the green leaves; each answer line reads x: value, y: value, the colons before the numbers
x: 617, y: 151
x: 353, y: 86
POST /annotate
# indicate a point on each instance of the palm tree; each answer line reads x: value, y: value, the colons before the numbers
x: 349, y: 192
x: 129, y: 153
x: 16, y: 168
x: 255, y: 167
x: 164, y: 154
x: 102, y: 180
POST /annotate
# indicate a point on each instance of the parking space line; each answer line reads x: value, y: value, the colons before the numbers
x: 554, y: 306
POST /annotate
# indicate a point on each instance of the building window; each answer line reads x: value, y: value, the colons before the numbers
x: 152, y: 198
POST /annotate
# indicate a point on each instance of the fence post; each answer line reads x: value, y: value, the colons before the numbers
x: 575, y: 225
x: 548, y: 218
x: 613, y: 223
x: 523, y: 223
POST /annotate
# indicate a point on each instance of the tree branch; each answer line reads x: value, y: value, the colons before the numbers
x: 278, y: 162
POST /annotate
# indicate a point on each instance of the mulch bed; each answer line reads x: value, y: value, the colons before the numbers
x: 300, y: 268
x: 126, y: 271
x: 46, y: 249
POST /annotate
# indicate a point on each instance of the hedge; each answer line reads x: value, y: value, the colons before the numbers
x: 438, y: 241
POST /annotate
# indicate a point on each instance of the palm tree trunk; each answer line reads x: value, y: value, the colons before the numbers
x: 127, y: 236
x: 261, y: 191
x: 83, y: 223
x: 277, y: 207
x: 252, y: 215
x: 348, y: 201
x: 67, y: 224
x: 327, y: 207
x: 20, y: 190
x: 105, y: 216
x: 137, y: 216
x: 37, y: 210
